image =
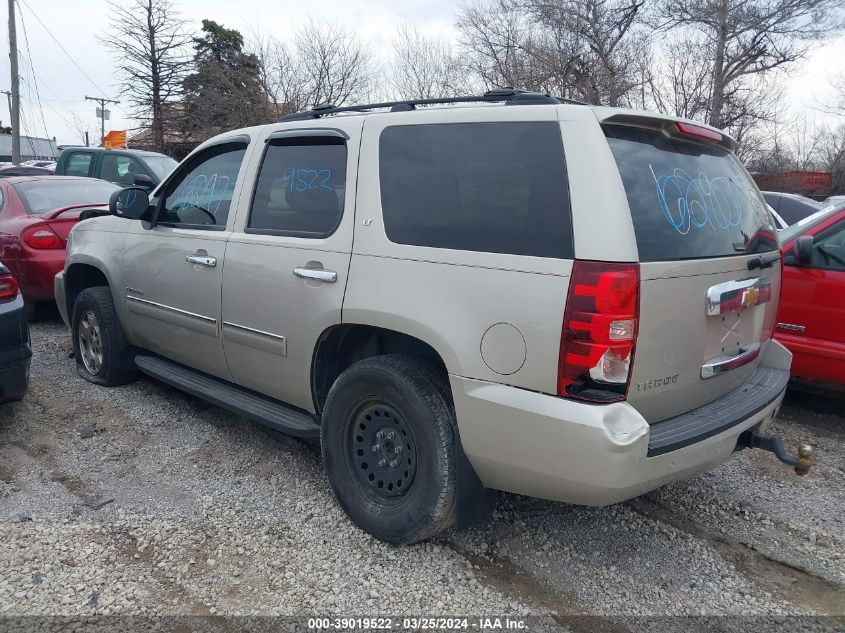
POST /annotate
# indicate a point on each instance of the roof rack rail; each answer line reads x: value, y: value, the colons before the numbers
x: 509, y: 95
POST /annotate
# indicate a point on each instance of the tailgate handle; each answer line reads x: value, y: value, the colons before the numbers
x: 733, y: 296
x: 721, y: 364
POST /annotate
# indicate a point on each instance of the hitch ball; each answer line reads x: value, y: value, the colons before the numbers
x: 774, y: 444
x: 805, y: 459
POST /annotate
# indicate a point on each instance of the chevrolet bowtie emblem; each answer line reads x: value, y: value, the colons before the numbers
x: 750, y: 297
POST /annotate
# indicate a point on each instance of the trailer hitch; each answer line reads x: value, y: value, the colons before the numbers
x: 774, y: 444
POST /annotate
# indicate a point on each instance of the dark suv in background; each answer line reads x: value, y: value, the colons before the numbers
x: 790, y: 206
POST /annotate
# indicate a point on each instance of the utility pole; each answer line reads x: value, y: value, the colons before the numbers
x: 14, y: 109
x: 103, y: 111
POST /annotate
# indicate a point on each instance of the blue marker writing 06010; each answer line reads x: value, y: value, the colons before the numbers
x: 304, y: 179
x: 688, y: 202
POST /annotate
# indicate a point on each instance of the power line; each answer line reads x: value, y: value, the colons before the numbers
x: 56, y: 112
x: 64, y: 50
x: 32, y: 71
x: 71, y: 125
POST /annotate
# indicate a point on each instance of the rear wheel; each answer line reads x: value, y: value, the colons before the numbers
x: 389, y: 447
x: 103, y: 355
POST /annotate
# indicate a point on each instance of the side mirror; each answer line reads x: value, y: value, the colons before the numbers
x: 804, y: 250
x: 142, y: 180
x: 131, y: 203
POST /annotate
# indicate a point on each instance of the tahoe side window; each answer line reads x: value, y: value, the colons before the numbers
x: 301, y: 188
x: 490, y: 187
x: 200, y: 195
x: 78, y: 164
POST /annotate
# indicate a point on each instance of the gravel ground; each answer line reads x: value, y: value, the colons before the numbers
x: 143, y: 500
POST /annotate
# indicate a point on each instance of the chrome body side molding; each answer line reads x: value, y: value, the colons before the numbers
x: 258, y: 339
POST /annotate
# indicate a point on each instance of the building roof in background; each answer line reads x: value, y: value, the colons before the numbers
x: 31, y: 147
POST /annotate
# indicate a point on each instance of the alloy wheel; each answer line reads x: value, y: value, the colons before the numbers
x: 90, y: 342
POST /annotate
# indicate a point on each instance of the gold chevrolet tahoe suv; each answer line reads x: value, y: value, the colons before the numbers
x: 456, y: 296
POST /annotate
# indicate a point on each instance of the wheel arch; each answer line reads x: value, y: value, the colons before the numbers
x: 81, y: 275
x: 341, y: 345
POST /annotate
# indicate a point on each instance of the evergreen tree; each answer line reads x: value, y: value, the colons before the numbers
x: 224, y: 91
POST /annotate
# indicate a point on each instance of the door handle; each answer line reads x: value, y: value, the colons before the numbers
x: 202, y: 260
x: 329, y: 276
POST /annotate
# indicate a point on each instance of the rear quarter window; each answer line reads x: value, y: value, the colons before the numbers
x: 688, y: 200
x: 489, y: 187
x: 78, y: 164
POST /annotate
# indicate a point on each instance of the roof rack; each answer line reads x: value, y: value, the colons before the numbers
x: 509, y: 95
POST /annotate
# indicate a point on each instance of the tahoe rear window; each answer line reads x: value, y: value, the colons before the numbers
x: 688, y: 200
x: 490, y: 187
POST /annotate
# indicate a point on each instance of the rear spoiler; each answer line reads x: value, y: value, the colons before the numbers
x: 52, y: 215
x: 671, y: 126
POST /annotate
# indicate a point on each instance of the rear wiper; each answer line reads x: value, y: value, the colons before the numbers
x: 763, y: 261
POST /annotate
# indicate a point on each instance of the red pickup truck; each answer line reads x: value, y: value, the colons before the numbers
x: 811, y: 320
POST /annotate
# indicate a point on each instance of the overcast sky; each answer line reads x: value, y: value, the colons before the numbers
x: 76, y: 24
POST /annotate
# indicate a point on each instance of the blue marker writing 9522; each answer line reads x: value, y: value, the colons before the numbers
x: 304, y: 179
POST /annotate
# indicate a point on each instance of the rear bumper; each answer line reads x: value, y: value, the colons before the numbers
x: 37, y: 273
x: 554, y: 448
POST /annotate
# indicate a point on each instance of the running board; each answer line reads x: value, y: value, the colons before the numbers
x: 248, y: 404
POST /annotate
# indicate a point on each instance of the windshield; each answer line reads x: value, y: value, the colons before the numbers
x: 688, y: 200
x: 41, y: 196
x: 810, y: 221
x: 161, y: 165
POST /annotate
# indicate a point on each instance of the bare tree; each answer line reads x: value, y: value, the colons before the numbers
x: 149, y: 40
x: 837, y: 104
x: 425, y: 67
x: 83, y: 128
x: 831, y: 152
x: 280, y: 73
x: 585, y: 49
x: 743, y: 38
x: 498, y: 41
x: 336, y: 66
x: 593, y: 45
x: 680, y: 84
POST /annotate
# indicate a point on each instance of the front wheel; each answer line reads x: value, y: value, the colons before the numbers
x: 103, y: 355
x: 389, y: 442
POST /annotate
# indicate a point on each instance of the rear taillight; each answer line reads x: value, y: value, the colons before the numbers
x: 8, y: 288
x: 42, y: 237
x: 599, y: 331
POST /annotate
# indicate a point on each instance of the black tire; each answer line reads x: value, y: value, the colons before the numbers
x: 117, y: 365
x: 415, y: 402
